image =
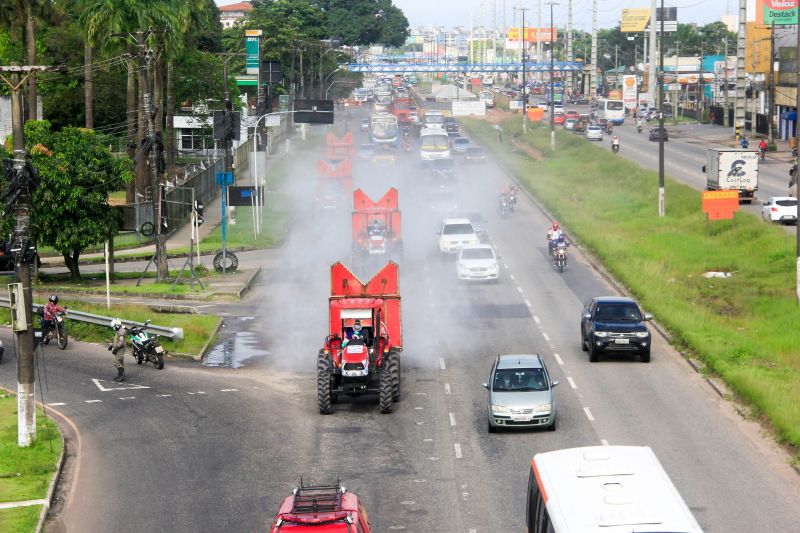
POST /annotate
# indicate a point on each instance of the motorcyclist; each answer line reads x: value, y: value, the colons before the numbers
x: 511, y: 194
x: 553, y: 234
x: 609, y: 127
x: 615, y: 143
x: 117, y: 348
x: 49, y: 312
x: 354, y: 335
x: 762, y: 147
x: 639, y: 124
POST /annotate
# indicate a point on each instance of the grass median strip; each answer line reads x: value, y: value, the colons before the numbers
x: 741, y: 326
x: 25, y: 473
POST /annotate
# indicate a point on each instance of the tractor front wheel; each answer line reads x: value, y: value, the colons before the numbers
x: 386, y: 391
x: 324, y: 384
x: 396, y: 371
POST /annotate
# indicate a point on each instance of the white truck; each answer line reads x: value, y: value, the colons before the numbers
x: 732, y: 169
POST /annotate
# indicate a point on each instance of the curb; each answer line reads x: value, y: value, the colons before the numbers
x: 204, y: 349
x: 248, y: 283
x: 56, y: 475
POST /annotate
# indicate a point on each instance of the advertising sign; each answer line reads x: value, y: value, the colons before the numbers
x: 463, y: 109
x: 629, y: 91
x: 634, y: 19
x: 720, y: 205
x: 670, y: 19
x: 534, y: 35
x: 252, y: 50
x: 778, y: 12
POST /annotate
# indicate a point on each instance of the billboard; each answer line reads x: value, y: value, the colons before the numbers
x: 629, y: 91
x: 252, y: 50
x: 778, y: 12
x: 534, y: 35
x: 670, y: 19
x: 634, y: 19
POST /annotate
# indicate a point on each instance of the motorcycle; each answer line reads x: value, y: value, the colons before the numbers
x: 512, y: 198
x: 146, y: 347
x: 56, y: 329
x: 560, y: 257
x: 615, y: 144
x: 639, y: 128
x: 762, y: 153
x: 504, y: 206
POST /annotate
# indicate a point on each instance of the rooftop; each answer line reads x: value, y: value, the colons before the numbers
x: 238, y: 6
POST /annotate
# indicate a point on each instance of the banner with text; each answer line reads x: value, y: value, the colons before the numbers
x: 629, y: 91
x: 252, y: 50
x: 778, y: 12
x: 634, y: 19
x: 534, y: 35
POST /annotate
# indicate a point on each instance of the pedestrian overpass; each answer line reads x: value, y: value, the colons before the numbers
x: 403, y: 68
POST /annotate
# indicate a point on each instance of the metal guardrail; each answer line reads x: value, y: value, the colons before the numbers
x: 100, y: 320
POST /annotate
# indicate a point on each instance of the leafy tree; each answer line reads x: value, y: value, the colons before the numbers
x: 70, y: 210
x: 364, y: 22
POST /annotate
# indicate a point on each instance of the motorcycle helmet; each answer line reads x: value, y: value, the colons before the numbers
x: 116, y: 324
x: 53, y: 299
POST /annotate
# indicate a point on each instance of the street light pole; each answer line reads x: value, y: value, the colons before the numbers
x: 524, y: 58
x: 661, y: 199
x: 552, y: 81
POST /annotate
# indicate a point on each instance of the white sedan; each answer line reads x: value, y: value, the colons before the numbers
x: 478, y: 262
x: 780, y: 209
x: 594, y: 133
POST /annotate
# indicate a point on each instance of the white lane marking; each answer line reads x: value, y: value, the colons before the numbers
x: 558, y: 359
x: 473, y: 531
x: 200, y: 392
x: 420, y: 394
x: 127, y: 397
x: 588, y: 414
x: 528, y: 303
x: 418, y: 408
x: 107, y: 389
x: 572, y: 383
x: 505, y: 265
x: 519, y: 289
x: 229, y: 390
x: 92, y: 401
x: 604, y: 442
x: 512, y: 277
x: 447, y: 388
x: 433, y: 458
x: 427, y: 440
x: 546, y: 336
x: 536, y: 319
x: 163, y: 395
x: 419, y: 423
x: 441, y: 363
x: 457, y: 447
x: 452, y: 419
x: 56, y: 404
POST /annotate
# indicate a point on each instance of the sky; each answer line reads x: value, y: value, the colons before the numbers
x: 451, y: 13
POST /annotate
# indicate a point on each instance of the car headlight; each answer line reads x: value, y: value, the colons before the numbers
x: 642, y: 334
x: 543, y: 408
x: 499, y: 409
x: 601, y: 334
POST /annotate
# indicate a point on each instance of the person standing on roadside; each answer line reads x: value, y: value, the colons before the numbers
x: 117, y: 348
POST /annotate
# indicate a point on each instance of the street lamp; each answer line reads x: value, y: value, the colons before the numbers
x: 661, y: 190
x: 524, y: 93
x: 552, y: 81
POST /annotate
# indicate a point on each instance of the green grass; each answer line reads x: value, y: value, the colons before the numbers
x: 25, y: 472
x: 19, y: 519
x: 197, y: 329
x: 743, y: 327
x: 273, y: 227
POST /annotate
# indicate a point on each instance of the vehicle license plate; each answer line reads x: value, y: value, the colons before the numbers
x: 521, y: 418
x: 622, y: 341
x: 159, y: 349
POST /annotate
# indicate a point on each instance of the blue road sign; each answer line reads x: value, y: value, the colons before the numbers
x: 224, y: 178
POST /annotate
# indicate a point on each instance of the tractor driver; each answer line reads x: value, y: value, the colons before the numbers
x: 353, y: 334
x: 376, y: 228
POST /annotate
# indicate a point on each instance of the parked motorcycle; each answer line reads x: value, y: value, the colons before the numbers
x: 146, y: 347
x: 54, y: 329
x: 560, y: 257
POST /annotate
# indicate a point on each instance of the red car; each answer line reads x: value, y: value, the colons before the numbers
x: 559, y: 118
x: 573, y: 114
x: 321, y: 509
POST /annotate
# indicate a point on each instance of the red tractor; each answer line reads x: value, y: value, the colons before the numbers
x: 321, y: 509
x: 376, y: 226
x: 362, y: 350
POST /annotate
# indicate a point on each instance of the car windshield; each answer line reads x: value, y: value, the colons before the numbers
x: 786, y: 203
x: 614, y: 105
x: 476, y: 150
x: 443, y: 164
x: 519, y: 380
x: 594, y: 128
x: 458, y: 229
x: 618, y: 312
x: 460, y: 140
x: 477, y: 253
x: 434, y: 142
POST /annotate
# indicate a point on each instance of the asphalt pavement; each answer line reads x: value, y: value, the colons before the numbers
x: 216, y: 448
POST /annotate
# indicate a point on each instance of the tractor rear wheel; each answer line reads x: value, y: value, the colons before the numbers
x: 395, y: 369
x: 324, y: 383
x: 386, y: 391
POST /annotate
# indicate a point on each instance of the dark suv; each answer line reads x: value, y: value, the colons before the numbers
x: 656, y: 133
x: 612, y: 324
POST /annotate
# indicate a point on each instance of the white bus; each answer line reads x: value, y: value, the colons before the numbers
x: 608, y: 489
x: 611, y: 110
x: 433, y: 144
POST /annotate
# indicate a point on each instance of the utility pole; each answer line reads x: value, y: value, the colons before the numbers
x: 675, y: 80
x: 725, y: 121
x: 22, y: 180
x: 652, y: 90
x: 797, y: 159
x: 524, y: 58
x: 569, y: 43
x: 593, y: 68
x: 552, y: 81
x: 701, y: 86
x: 539, y: 43
x: 741, y: 104
x: 771, y: 95
x: 661, y: 199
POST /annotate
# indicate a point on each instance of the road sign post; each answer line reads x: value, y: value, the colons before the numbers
x: 224, y: 179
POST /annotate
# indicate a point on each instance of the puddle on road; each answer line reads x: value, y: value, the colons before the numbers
x: 237, y: 349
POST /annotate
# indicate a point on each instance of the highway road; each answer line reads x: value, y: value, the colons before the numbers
x: 217, y: 448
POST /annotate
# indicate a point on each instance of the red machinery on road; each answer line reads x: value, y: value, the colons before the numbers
x: 376, y: 226
x: 321, y: 509
x: 335, y: 173
x: 369, y: 362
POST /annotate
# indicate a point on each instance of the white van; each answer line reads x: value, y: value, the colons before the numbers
x: 433, y: 144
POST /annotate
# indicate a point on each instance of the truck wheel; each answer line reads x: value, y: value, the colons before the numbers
x: 395, y: 370
x: 386, y: 390
x: 324, y: 384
